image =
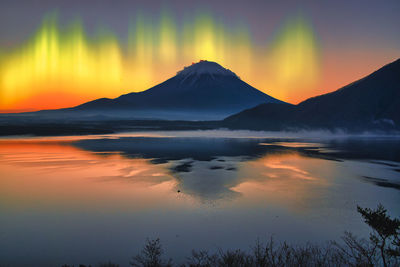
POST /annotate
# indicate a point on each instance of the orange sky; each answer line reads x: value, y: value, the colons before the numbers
x: 60, y: 67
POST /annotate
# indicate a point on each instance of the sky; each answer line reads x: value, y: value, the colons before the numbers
x: 56, y: 54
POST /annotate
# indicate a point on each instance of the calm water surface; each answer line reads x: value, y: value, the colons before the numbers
x: 70, y: 200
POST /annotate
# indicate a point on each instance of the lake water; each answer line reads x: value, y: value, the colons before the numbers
x: 90, y: 199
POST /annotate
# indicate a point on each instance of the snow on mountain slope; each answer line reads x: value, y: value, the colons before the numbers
x: 205, y: 67
x: 204, y: 88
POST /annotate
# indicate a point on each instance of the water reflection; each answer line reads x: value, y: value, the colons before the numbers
x: 57, y: 175
x: 113, y: 192
x: 207, y: 169
x: 187, y: 152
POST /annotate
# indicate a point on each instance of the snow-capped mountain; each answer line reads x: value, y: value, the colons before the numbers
x: 205, y: 67
x: 204, y: 90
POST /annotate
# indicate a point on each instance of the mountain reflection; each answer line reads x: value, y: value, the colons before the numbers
x: 164, y: 149
x: 122, y: 190
x: 206, y: 169
x: 210, y: 168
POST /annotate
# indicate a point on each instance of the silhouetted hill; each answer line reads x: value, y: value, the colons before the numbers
x: 265, y: 116
x: 370, y: 103
x: 204, y: 90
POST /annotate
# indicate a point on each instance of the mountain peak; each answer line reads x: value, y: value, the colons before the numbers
x: 205, y: 67
x: 202, y: 91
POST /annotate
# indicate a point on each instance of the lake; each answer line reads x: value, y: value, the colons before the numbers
x: 90, y: 199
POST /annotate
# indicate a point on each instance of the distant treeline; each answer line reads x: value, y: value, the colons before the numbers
x: 382, y: 248
x: 34, y: 127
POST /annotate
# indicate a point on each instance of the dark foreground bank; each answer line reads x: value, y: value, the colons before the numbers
x: 381, y: 249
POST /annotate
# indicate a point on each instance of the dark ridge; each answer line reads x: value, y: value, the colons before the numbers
x: 368, y: 104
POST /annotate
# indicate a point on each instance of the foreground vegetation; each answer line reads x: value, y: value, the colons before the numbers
x: 382, y: 248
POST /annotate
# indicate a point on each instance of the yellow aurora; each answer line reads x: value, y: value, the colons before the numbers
x: 293, y: 58
x: 64, y: 66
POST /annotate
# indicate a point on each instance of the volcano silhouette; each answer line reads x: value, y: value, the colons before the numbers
x: 204, y: 90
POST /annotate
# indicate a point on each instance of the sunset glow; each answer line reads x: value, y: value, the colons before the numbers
x: 187, y: 133
x: 62, y: 66
x: 294, y: 60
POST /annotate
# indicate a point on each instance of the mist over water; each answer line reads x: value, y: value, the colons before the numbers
x: 92, y: 199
